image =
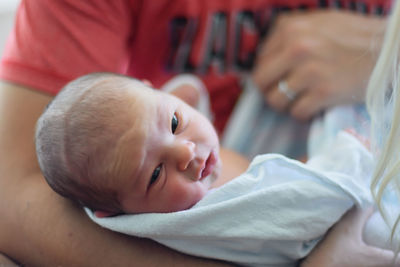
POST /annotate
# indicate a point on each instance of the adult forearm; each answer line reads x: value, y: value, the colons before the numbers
x: 39, y: 227
x: 43, y: 229
x: 5, y: 261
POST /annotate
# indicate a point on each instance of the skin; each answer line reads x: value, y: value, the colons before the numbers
x: 22, y: 233
x: 324, y: 56
x: 173, y: 154
x: 346, y: 236
x: 23, y: 237
x: 5, y: 261
x: 169, y: 138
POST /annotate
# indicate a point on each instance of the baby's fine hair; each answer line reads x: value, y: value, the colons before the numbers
x: 76, y: 136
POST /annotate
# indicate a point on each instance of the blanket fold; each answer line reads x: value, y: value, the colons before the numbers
x: 272, y: 215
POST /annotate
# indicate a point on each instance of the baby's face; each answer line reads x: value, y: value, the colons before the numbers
x: 170, y: 154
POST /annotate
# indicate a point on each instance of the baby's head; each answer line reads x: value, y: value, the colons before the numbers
x: 116, y: 145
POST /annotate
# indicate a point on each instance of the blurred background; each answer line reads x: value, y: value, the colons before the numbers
x: 7, y: 13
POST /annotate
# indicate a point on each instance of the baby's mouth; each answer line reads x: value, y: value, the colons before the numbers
x: 209, y: 165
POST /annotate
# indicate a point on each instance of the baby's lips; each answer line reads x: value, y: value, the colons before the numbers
x: 209, y: 165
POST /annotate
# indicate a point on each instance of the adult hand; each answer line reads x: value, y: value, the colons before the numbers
x: 343, y: 246
x: 325, y: 58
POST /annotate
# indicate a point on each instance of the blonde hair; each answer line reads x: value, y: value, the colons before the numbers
x: 383, y: 103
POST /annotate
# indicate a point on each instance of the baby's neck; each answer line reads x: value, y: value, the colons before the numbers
x: 233, y: 165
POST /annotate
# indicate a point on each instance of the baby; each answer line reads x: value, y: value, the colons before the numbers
x: 116, y: 145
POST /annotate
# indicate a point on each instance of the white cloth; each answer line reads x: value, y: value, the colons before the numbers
x: 254, y: 128
x: 324, y: 129
x: 271, y: 215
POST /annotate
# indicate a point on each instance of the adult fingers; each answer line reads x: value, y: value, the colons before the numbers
x: 287, y: 27
x: 290, y: 41
x: 284, y: 63
x: 270, y: 69
x: 283, y: 94
x: 343, y: 245
x: 306, y: 106
x: 277, y: 36
x: 354, y: 220
x: 290, y: 90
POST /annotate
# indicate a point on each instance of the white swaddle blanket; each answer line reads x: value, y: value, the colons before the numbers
x: 271, y: 215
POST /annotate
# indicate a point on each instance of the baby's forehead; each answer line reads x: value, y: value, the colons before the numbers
x: 127, y: 94
x: 116, y: 89
x: 121, y: 84
x: 137, y: 88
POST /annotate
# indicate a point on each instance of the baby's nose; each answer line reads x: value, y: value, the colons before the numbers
x: 185, y: 153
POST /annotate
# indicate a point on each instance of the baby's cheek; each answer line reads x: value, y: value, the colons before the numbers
x: 185, y: 198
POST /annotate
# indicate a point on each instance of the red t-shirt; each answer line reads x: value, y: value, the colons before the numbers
x: 55, y: 41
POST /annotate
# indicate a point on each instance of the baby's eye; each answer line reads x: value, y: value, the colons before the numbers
x: 174, y: 123
x: 155, y: 175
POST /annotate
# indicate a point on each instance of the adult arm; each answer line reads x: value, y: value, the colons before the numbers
x: 344, y: 247
x: 40, y: 228
x: 5, y: 261
x: 325, y: 57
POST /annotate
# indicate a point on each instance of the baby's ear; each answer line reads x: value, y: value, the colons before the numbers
x: 147, y: 82
x: 188, y: 93
x: 103, y: 214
